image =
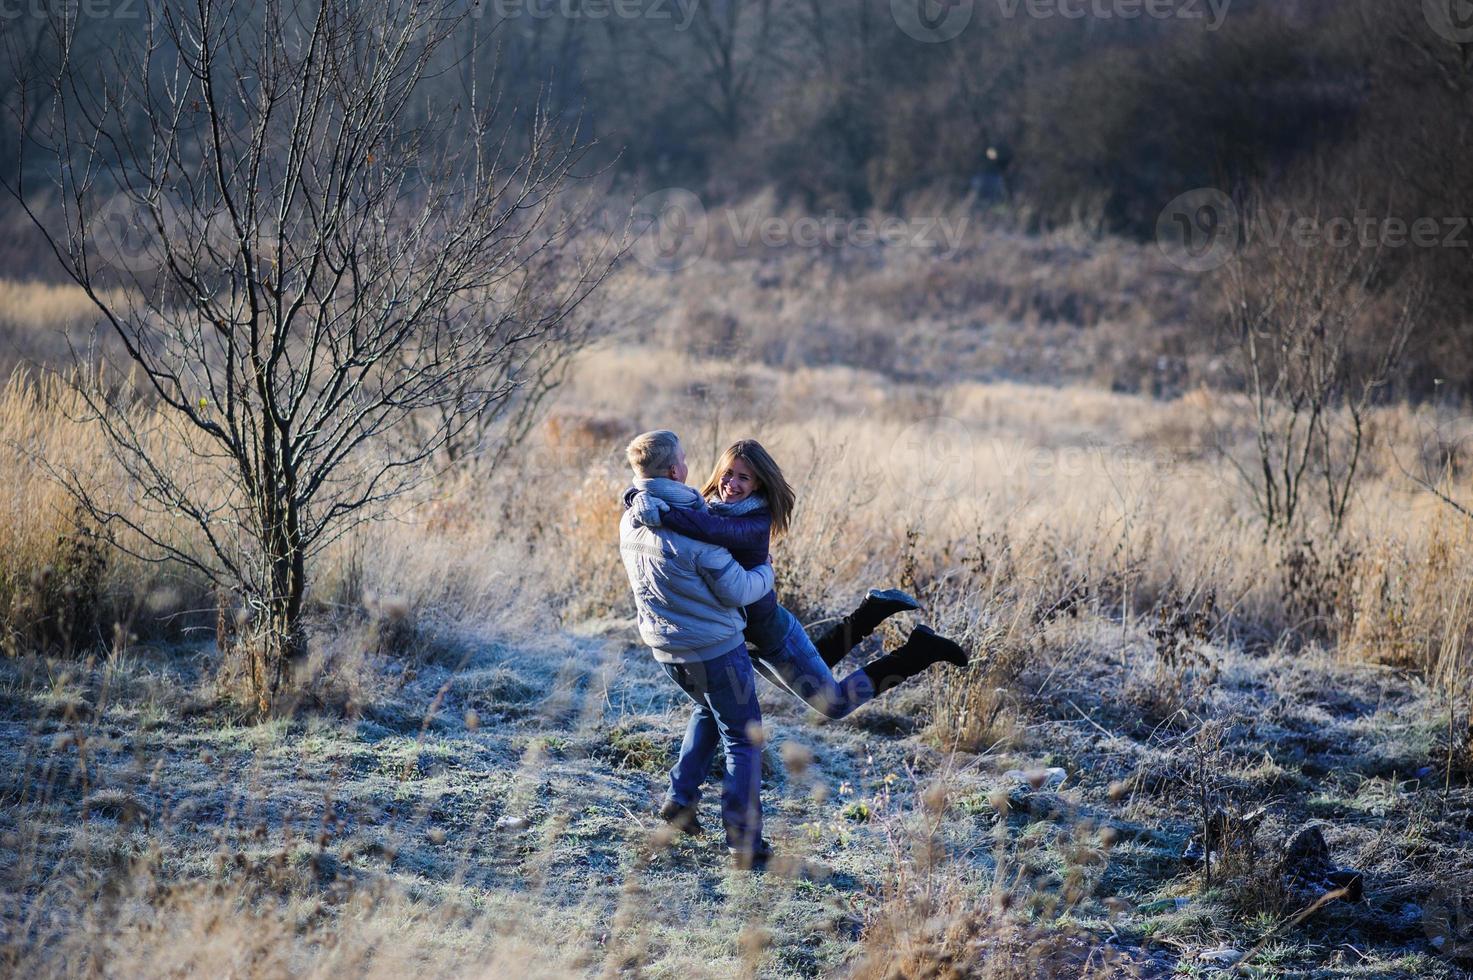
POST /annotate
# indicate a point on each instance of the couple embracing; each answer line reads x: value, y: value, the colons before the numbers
x: 702, y: 577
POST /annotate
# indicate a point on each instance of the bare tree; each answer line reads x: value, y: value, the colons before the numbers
x: 720, y: 61
x: 334, y: 274
x: 25, y: 45
x: 729, y: 66
x: 1317, y: 334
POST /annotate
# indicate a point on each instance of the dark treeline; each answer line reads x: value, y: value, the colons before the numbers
x: 1359, y: 105
x: 835, y: 106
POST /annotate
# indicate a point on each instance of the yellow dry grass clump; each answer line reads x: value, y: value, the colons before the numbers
x: 66, y: 581
x: 50, y: 554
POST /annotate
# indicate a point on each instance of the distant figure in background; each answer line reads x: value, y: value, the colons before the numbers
x: 989, y: 185
x: 689, y: 595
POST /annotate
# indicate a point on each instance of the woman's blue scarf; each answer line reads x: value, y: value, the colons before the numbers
x: 747, y: 505
x: 679, y: 495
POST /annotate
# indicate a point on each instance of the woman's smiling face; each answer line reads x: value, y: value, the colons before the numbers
x: 738, y: 482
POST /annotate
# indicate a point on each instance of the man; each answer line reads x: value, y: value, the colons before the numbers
x: 689, y: 596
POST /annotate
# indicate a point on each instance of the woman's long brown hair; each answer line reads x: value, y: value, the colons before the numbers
x: 770, y: 482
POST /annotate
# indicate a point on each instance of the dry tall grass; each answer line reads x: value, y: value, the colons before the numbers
x: 57, y: 570
x: 1052, y: 497
x: 37, y: 306
x: 1007, y: 505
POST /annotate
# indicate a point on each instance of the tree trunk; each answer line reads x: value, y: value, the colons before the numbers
x: 281, y: 641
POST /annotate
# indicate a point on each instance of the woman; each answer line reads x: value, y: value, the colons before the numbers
x: 748, y: 500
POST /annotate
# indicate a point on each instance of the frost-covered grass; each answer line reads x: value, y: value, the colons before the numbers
x: 509, y: 826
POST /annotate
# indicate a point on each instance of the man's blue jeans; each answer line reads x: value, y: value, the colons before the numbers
x: 726, y: 713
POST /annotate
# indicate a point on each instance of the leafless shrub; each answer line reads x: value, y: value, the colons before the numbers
x: 335, y: 279
x: 1297, y: 321
x: 1183, y: 665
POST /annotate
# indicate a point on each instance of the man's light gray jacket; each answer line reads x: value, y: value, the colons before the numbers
x: 689, y: 594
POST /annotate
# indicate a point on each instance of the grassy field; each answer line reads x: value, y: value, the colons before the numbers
x: 469, y: 788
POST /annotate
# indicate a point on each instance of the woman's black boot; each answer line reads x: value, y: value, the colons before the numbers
x: 850, y: 631
x: 923, y: 649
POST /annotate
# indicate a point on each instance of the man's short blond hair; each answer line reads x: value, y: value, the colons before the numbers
x: 653, y: 454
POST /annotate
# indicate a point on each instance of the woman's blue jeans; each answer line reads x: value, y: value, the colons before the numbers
x: 724, y: 690
x: 793, y: 664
